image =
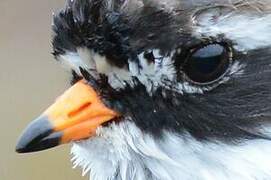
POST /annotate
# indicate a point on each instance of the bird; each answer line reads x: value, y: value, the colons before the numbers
x: 162, y: 90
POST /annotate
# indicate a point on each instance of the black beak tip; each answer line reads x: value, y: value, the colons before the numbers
x: 21, y: 149
x: 38, y: 136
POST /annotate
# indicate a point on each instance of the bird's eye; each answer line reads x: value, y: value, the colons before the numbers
x: 207, y: 63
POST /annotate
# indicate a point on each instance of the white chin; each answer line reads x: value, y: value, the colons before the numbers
x: 123, y: 152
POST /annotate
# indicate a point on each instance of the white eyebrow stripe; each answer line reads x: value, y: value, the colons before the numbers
x: 248, y: 32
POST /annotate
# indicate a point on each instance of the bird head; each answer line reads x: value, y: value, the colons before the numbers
x: 152, y: 79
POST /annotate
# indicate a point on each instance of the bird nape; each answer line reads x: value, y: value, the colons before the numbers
x: 169, y: 89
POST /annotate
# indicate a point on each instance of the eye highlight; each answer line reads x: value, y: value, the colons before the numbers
x: 208, y: 63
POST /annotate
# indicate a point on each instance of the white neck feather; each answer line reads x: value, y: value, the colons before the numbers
x: 122, y: 152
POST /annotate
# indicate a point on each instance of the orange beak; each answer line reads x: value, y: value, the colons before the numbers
x: 74, y: 116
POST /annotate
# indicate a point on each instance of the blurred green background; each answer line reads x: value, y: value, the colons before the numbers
x: 30, y: 80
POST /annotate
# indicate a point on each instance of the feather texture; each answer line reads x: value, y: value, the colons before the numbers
x: 122, y: 151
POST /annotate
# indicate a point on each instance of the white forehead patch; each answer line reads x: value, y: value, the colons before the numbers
x: 152, y: 73
x: 71, y: 61
x: 95, y: 64
x: 247, y: 30
x: 86, y: 57
x: 116, y: 76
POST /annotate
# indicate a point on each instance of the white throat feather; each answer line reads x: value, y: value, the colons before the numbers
x: 122, y: 151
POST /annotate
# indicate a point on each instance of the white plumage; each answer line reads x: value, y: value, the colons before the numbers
x: 123, y: 148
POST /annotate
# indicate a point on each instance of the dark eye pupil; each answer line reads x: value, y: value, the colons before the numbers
x: 207, y: 64
x: 207, y: 59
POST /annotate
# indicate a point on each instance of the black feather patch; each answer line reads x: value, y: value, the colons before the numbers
x: 235, y: 111
x: 90, y: 24
x: 75, y: 78
x: 115, y: 34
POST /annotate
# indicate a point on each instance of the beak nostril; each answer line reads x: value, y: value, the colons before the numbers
x: 74, y: 116
x: 80, y: 109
